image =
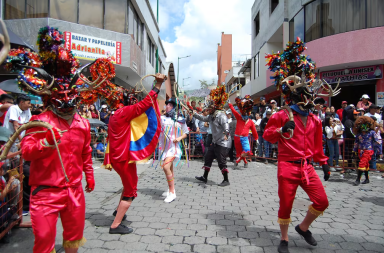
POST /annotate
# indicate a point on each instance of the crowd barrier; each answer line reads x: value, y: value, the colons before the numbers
x: 11, y: 207
x: 196, y: 144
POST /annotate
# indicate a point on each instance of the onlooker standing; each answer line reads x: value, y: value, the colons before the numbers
x: 339, y: 112
x: 105, y: 114
x: 18, y: 115
x: 267, y: 144
x: 6, y: 101
x: 333, y: 112
x: 93, y: 113
x: 373, y: 112
x: 262, y: 107
x: 83, y: 111
x: 364, y: 103
x: 350, y: 115
x: 331, y: 129
x: 232, y: 129
x: 229, y: 116
x: 378, y: 146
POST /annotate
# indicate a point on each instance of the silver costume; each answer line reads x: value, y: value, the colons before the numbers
x: 218, y: 122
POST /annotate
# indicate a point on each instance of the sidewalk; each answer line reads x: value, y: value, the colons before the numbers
x: 238, y: 218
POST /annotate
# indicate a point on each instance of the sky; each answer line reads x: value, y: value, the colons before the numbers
x: 194, y: 27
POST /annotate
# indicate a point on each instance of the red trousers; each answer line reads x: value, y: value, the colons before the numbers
x: 365, y: 156
x: 128, y: 174
x: 290, y: 176
x: 45, y: 208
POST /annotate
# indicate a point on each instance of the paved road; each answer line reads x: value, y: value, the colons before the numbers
x: 239, y: 218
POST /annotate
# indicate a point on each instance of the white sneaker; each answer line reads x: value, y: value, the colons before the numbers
x: 171, y: 197
x: 165, y: 194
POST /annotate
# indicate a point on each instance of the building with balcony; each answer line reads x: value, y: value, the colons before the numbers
x: 125, y: 29
x: 343, y: 37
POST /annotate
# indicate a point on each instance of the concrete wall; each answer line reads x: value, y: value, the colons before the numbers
x: 269, y: 23
x: 345, y: 48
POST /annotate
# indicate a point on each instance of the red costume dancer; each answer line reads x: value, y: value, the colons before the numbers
x: 299, y: 136
x: 55, y: 177
x: 124, y: 151
x: 243, y: 125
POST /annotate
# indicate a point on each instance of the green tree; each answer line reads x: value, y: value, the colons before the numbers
x: 204, y: 83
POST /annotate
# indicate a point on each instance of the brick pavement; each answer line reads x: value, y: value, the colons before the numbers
x: 238, y: 218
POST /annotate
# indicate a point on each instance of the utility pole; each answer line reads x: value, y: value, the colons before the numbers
x: 157, y: 49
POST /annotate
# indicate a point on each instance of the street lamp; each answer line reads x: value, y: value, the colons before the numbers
x: 178, y: 64
x: 184, y: 79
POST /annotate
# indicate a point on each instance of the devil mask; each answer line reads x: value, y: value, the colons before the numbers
x: 55, y: 75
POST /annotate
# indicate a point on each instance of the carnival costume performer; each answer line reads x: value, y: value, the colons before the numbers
x: 365, y: 142
x: 221, y: 138
x: 55, y: 177
x: 243, y: 125
x: 298, y: 148
x: 133, y: 133
x: 173, y: 131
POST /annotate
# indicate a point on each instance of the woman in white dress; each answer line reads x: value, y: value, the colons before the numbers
x: 173, y: 131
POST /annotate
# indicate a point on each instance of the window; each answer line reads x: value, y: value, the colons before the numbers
x: 115, y: 12
x: 256, y: 66
x: 257, y: 24
x: 329, y: 17
x: 14, y: 9
x: 149, y: 50
x: 37, y: 8
x: 91, y: 13
x: 296, y: 27
x: 274, y: 4
x: 63, y: 10
x: 375, y: 10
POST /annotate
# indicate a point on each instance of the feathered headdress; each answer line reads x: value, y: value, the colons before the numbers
x: 218, y: 97
x: 363, y: 123
x: 56, y: 70
x: 245, y: 105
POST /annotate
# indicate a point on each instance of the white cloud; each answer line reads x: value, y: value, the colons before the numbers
x: 200, y: 31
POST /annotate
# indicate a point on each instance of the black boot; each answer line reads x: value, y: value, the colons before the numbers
x: 307, y: 236
x: 225, y: 181
x: 366, y: 181
x: 357, y: 182
x: 203, y: 178
x: 283, y: 247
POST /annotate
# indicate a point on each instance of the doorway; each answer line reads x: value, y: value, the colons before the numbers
x: 352, y: 92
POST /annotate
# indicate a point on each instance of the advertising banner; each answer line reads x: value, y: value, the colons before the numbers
x: 380, y: 99
x: 353, y: 74
x: 90, y: 48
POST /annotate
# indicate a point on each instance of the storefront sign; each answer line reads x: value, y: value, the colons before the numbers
x: 353, y: 74
x: 380, y: 99
x: 90, y: 48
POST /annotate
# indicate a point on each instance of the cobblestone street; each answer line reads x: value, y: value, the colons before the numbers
x: 239, y: 218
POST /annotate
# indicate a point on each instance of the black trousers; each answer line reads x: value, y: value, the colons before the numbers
x: 231, y: 152
x: 219, y: 152
x: 207, y: 143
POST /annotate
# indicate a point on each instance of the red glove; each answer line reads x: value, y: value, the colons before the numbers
x: 49, y: 136
x: 90, y: 184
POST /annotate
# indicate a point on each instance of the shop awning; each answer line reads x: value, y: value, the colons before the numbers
x: 11, y: 85
x: 16, y: 40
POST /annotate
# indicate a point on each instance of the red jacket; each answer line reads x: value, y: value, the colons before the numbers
x: 340, y: 113
x: 306, y: 142
x: 75, y: 151
x: 243, y: 127
x: 119, y: 128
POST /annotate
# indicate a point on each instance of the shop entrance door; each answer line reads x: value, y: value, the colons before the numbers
x: 352, y: 92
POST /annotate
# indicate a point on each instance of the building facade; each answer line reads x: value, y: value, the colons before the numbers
x: 224, y: 57
x: 124, y: 29
x: 342, y: 37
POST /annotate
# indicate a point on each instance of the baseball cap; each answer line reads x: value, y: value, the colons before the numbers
x: 344, y: 102
x: 268, y: 112
x: 262, y: 98
x: 355, y: 112
x: 104, y: 106
x: 365, y: 96
x: 228, y: 112
x: 273, y: 101
x: 373, y: 106
x: 360, y: 109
